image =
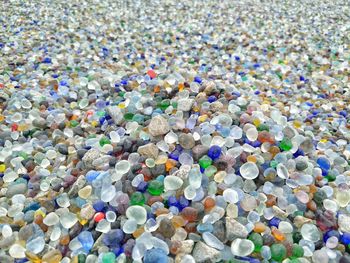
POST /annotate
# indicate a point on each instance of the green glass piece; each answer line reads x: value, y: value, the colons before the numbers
x: 137, y: 198
x: 297, y: 251
x: 257, y: 240
x: 155, y: 187
x: 286, y: 144
x: 263, y: 127
x: 109, y: 257
x: 210, y: 170
x: 138, y: 118
x: 23, y: 155
x: 331, y: 177
x: 101, y: 113
x: 319, y: 196
x: 278, y: 252
x: 205, y: 161
x: 164, y: 104
x: 297, y: 237
x: 81, y: 258
x: 128, y: 116
x: 74, y: 123
x: 104, y: 141
x: 298, y: 213
x: 273, y: 164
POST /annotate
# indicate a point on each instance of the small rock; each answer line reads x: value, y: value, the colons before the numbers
x: 184, y: 104
x: 186, y: 141
x: 91, y: 155
x: 158, y: 126
x: 149, y: 150
x: 63, y: 149
x: 204, y: 253
x: 199, y: 151
x: 235, y: 229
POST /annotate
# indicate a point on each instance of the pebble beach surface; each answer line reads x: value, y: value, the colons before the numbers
x: 174, y: 131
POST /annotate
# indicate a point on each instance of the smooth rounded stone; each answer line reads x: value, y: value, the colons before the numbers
x: 235, y: 229
x: 81, y: 153
x: 242, y: 247
x: 248, y: 203
x: 68, y: 220
x: 149, y: 150
x: 344, y: 222
x: 320, y: 256
x: 301, y: 165
x: 155, y: 255
x: 199, y: 151
x: 158, y: 126
x: 252, y: 134
x: 122, y: 167
x: 212, y: 241
x: 36, y: 245
x: 103, y: 226
x: 249, y: 170
x: 52, y: 256
x: 285, y: 227
x: 172, y: 182
x: 130, y: 226
x: 171, y: 137
x: 343, y: 198
x: 230, y: 196
x: 63, y: 149
x: 282, y: 171
x: 186, y: 259
x: 6, y: 242
x: 39, y: 123
x: 14, y: 189
x: 51, y: 219
x: 7, y: 259
x: 166, y: 228
x: 186, y: 140
x: 17, y: 251
x: 138, y: 213
x: 158, y: 170
x: 204, y: 253
x: 85, y: 192
x: 6, y: 231
x: 108, y: 193
x: 310, y: 232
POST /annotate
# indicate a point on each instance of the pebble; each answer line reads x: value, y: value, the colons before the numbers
x: 204, y: 253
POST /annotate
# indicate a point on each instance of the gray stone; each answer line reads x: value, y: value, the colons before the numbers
x: 235, y: 229
x: 184, y: 104
x: 203, y: 253
x: 158, y: 126
x: 91, y: 155
x: 63, y: 149
x: 186, y: 141
x: 40, y: 123
x: 149, y: 150
x: 15, y: 189
x: 219, y: 230
x: 198, y: 151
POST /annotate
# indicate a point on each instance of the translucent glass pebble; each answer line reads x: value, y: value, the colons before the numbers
x: 249, y: 170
